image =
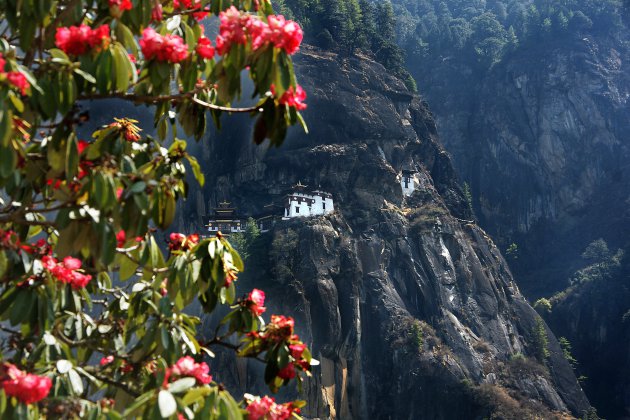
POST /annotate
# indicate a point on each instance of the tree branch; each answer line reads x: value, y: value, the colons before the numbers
x: 225, y: 108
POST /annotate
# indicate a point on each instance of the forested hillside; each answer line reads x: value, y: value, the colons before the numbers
x: 350, y: 26
x: 484, y: 32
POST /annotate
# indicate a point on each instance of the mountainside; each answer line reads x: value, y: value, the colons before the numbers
x: 406, y: 302
x: 541, y: 137
x: 556, y: 136
x: 594, y: 314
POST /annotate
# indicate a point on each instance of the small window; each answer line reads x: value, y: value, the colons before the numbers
x: 297, y: 209
x: 324, y: 205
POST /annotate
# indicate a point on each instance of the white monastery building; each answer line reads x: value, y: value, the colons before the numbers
x: 304, y: 203
x: 408, y: 182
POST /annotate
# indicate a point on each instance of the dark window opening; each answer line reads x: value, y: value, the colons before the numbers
x: 297, y: 209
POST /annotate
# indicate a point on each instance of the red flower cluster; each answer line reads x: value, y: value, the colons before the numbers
x: 106, y: 360
x: 26, y: 387
x: 267, y: 409
x: 121, y: 238
x: 282, y: 33
x: 77, y: 40
x: 279, y: 329
x: 19, y: 81
x: 181, y: 242
x: 188, y: 5
x: 169, y: 48
x: 10, y: 240
x: 204, y: 48
x: 277, y: 31
x: 255, y: 302
x: 294, y: 98
x: 231, y: 29
x: 15, y: 78
x: 186, y: 366
x: 40, y: 248
x: 67, y: 271
x: 121, y: 4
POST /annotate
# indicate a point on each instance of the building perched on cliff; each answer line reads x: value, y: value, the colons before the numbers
x: 302, y: 202
x: 408, y: 181
x: 225, y: 220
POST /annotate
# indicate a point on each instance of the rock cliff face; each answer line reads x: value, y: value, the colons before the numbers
x: 595, y: 317
x: 408, y: 305
x: 543, y: 140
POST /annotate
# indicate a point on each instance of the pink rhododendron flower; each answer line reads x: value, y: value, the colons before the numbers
x: 297, y: 350
x: 26, y: 387
x: 204, y: 48
x: 285, y: 34
x: 287, y: 372
x: 179, y: 241
x: 77, y: 40
x: 188, y: 5
x: 294, y: 98
x: 267, y: 409
x: 255, y: 302
x: 168, y: 48
x: 231, y: 29
x: 121, y: 238
x: 121, y: 4
x: 106, y: 360
x: 186, y: 366
x: 66, y: 271
x: 19, y: 81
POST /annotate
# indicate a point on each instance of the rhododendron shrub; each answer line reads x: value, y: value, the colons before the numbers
x: 93, y: 291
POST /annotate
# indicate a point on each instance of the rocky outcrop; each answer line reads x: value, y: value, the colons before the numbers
x: 406, y: 302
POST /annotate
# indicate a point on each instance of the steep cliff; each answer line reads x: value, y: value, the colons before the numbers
x: 544, y: 144
x: 406, y: 302
x: 594, y: 315
x: 542, y: 139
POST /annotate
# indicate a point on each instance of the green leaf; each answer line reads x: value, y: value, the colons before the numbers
x: 4, y: 263
x: 125, y: 36
x: 127, y: 268
x: 182, y: 385
x: 195, y: 394
x: 76, y: 382
x: 87, y: 76
x: 6, y: 125
x: 138, y: 187
x: 72, y: 157
x: 167, y: 404
x: 122, y: 68
x: 17, y: 102
x: 59, y: 54
x: 196, y: 170
x: 63, y: 366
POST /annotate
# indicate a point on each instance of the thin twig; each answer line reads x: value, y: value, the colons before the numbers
x: 225, y: 108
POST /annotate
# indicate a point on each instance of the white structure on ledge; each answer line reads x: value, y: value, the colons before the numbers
x: 304, y: 203
x: 408, y: 182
